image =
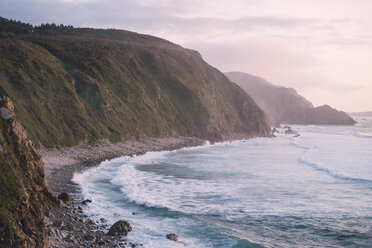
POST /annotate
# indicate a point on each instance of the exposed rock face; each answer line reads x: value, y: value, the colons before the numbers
x: 119, y: 228
x: 24, y: 196
x: 284, y: 106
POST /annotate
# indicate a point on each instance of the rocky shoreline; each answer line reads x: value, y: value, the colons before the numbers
x: 67, y: 225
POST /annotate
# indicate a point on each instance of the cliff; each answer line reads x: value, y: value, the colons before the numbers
x: 78, y: 85
x: 24, y: 196
x: 284, y: 105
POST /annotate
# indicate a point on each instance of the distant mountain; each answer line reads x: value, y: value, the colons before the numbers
x: 284, y: 105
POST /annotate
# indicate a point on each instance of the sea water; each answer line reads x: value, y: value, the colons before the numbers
x: 314, y: 190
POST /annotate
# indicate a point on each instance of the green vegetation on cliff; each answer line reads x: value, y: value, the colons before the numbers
x: 72, y: 85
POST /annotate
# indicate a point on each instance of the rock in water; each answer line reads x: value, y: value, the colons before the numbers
x: 64, y: 197
x: 90, y: 237
x: 172, y: 236
x: 120, y: 227
x: 86, y: 201
x: 289, y: 130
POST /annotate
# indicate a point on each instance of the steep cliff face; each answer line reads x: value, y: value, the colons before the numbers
x: 284, y: 105
x: 82, y: 85
x: 24, y: 196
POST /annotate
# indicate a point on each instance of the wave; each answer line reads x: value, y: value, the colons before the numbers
x: 332, y: 173
x: 151, y: 190
x: 143, y: 188
x: 243, y: 243
x: 299, y: 146
x: 162, y: 188
x: 364, y: 135
x: 130, y: 179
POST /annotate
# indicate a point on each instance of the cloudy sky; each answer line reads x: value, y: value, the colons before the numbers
x: 322, y: 48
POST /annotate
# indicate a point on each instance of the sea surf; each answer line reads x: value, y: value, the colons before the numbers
x: 314, y: 190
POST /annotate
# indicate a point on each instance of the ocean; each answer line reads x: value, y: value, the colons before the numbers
x: 314, y: 190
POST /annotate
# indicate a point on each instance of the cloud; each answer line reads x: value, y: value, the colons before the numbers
x: 130, y: 12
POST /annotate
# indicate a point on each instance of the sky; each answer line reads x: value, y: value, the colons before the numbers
x: 322, y: 48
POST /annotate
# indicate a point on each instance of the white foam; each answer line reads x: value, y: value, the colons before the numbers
x: 281, y: 176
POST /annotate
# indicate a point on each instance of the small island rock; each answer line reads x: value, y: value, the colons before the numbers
x: 172, y: 236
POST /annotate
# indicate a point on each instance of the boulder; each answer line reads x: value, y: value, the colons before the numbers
x: 70, y: 238
x: 172, y: 236
x: 120, y: 227
x: 91, y: 222
x: 59, y: 223
x: 101, y: 241
x: 64, y: 197
x: 289, y: 130
x: 90, y: 237
x: 53, y: 232
x: 5, y: 113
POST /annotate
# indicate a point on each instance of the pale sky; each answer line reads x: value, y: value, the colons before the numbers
x: 322, y: 48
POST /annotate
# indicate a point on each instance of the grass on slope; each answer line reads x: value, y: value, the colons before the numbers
x: 81, y: 85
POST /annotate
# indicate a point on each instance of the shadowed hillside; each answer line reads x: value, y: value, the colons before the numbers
x: 81, y: 85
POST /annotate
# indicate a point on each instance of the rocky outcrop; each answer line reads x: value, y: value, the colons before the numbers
x: 284, y: 106
x: 24, y: 196
x: 120, y: 228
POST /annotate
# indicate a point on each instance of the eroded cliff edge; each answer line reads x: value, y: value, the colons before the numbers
x: 24, y: 196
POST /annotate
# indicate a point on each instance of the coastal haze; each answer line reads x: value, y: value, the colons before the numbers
x: 320, y: 48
